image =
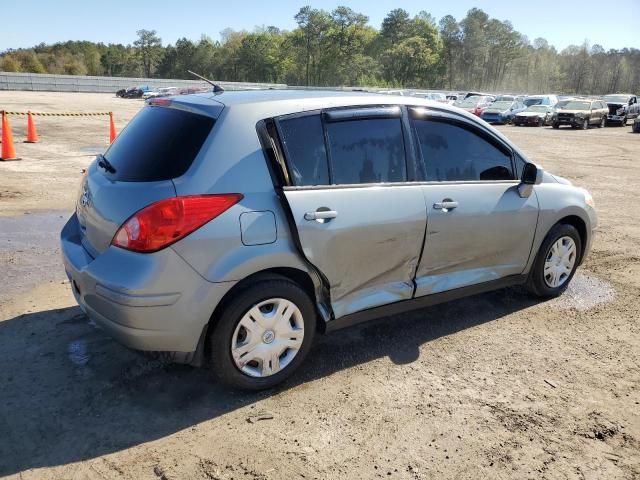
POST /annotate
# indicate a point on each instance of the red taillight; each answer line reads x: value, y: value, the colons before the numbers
x: 165, y: 222
x: 161, y: 102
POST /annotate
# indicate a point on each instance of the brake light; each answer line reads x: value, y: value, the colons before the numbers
x: 162, y: 223
x: 161, y: 102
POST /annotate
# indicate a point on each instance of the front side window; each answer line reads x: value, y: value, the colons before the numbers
x: 303, y: 141
x: 453, y: 153
x: 366, y: 151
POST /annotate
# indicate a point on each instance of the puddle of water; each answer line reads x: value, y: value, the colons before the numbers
x: 585, y: 292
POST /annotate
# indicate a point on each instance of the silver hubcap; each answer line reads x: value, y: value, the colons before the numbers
x: 560, y: 261
x: 268, y: 337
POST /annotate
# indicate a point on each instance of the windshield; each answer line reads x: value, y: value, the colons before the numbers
x: 469, y: 102
x: 537, y: 108
x: 532, y: 101
x: 501, y: 105
x: 616, y: 98
x: 577, y: 106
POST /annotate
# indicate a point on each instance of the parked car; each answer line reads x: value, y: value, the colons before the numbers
x: 581, y: 113
x: 622, y: 107
x: 474, y: 104
x: 635, y: 127
x: 535, y: 115
x: 502, y: 111
x: 540, y: 100
x: 231, y: 230
x: 512, y: 98
x: 135, y: 92
x: 160, y: 92
x: 435, y: 96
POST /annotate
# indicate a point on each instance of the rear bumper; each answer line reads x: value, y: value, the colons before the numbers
x: 153, y: 302
x: 499, y: 119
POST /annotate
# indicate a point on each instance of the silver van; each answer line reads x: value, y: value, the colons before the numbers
x: 230, y: 228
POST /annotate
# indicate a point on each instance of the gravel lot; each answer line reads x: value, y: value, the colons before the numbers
x: 495, y: 386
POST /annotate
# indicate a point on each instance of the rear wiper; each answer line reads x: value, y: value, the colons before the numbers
x: 104, y: 163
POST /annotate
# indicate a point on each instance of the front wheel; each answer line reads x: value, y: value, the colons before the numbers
x: 556, y: 125
x: 263, y: 334
x: 556, y: 262
x: 541, y: 122
x: 585, y: 124
x: 602, y: 123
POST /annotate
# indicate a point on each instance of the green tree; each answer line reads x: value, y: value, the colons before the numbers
x: 9, y: 64
x: 149, y: 46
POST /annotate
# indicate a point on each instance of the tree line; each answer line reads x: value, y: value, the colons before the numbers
x: 341, y: 48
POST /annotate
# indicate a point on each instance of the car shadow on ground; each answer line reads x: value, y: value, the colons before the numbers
x: 70, y: 393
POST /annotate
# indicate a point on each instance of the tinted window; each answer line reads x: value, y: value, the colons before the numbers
x: 367, y: 151
x: 158, y: 144
x: 450, y: 152
x: 303, y: 140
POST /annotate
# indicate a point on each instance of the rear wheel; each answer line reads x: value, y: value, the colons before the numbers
x: 556, y: 262
x: 263, y: 334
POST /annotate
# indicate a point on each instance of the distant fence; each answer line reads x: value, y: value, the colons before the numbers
x: 81, y: 83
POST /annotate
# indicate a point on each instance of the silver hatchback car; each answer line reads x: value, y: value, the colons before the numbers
x: 230, y: 228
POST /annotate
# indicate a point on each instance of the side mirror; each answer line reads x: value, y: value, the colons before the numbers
x: 531, y: 175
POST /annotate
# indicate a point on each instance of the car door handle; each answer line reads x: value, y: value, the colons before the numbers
x: 321, y: 215
x: 445, y: 205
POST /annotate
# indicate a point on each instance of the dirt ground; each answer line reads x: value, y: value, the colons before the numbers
x: 496, y: 386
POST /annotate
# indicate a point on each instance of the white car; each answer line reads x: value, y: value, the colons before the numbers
x: 435, y: 96
x: 160, y: 92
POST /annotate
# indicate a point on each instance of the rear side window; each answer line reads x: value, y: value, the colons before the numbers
x: 367, y: 151
x: 303, y: 141
x: 452, y: 153
x: 158, y: 144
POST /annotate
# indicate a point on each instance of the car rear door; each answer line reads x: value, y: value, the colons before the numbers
x: 358, y: 221
x: 479, y: 229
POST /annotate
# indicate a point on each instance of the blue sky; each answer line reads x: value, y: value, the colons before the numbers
x: 562, y: 22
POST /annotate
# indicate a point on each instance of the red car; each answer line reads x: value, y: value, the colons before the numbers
x: 475, y: 104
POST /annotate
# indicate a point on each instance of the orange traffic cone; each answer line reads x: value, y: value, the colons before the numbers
x: 8, y: 152
x: 112, y: 128
x: 32, y: 134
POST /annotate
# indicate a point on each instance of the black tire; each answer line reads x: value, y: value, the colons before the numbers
x: 623, y: 122
x: 556, y: 125
x: 602, y: 123
x: 536, y: 283
x: 541, y: 122
x: 585, y: 124
x: 260, y: 289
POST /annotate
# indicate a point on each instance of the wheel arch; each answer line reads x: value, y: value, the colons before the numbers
x: 580, y: 225
x: 300, y: 277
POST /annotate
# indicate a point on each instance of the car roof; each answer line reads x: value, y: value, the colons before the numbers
x: 271, y: 103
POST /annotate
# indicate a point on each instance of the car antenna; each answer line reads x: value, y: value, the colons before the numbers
x: 216, y: 88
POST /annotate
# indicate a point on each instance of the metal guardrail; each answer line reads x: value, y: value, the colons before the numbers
x: 82, y: 83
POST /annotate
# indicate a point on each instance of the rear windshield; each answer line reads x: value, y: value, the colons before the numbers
x: 158, y: 144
